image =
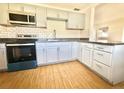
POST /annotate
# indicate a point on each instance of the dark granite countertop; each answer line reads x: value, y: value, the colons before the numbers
x: 109, y: 43
x: 85, y: 40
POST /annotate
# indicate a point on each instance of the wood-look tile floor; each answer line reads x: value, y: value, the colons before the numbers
x: 65, y: 75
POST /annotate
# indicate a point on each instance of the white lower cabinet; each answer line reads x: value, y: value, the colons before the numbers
x: 105, y: 60
x: 102, y: 69
x: 80, y: 52
x: 3, y: 59
x: 41, y: 53
x: 48, y: 53
x: 103, y: 57
x: 65, y: 52
x: 52, y: 54
x: 87, y: 56
x: 74, y: 50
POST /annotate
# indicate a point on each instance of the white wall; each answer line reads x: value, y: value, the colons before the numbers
x: 111, y: 15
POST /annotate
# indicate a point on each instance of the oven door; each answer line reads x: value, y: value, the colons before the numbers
x: 20, y: 52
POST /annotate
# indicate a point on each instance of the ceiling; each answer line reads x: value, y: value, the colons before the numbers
x: 68, y: 6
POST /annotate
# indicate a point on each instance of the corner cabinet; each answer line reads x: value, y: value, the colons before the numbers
x: 4, y: 13
x: 76, y: 21
x: 41, y: 17
x: 3, y: 59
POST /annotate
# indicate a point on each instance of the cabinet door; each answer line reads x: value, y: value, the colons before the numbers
x: 41, y: 53
x: 80, y: 53
x: 75, y: 21
x: 41, y: 56
x: 88, y: 57
x: 74, y: 50
x: 41, y: 19
x: 52, y: 13
x: 64, y: 53
x: 29, y: 8
x: 52, y: 54
x: 21, y: 7
x: 4, y: 13
x: 3, y: 61
x: 16, y: 7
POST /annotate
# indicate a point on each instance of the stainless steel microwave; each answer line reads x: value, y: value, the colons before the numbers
x: 22, y: 18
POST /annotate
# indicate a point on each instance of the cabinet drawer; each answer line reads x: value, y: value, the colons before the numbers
x: 87, y: 45
x: 58, y: 43
x: 103, y: 57
x: 103, y: 70
x: 105, y: 48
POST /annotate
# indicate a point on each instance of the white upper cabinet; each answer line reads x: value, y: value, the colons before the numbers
x: 57, y: 14
x: 29, y: 8
x: 41, y: 20
x: 16, y: 7
x: 76, y: 21
x: 4, y: 13
x: 21, y: 7
x: 52, y: 13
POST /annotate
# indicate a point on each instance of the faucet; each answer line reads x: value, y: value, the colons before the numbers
x: 54, y: 34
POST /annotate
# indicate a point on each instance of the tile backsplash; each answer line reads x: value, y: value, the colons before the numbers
x: 12, y: 32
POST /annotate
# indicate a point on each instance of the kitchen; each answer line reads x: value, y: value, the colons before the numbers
x: 55, y: 47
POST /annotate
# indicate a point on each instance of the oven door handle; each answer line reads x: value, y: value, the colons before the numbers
x: 28, y: 44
